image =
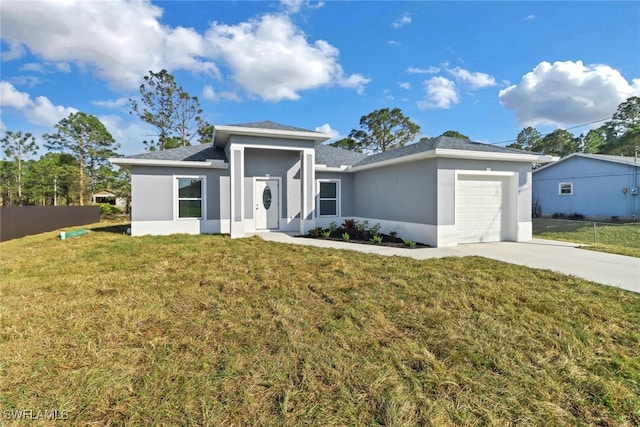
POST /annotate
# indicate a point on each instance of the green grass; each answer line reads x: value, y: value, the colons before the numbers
x: 205, y: 330
x: 617, y: 238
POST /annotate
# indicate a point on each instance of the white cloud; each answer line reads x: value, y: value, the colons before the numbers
x: 402, y: 20
x: 120, y: 41
x: 63, y: 67
x: 10, y: 97
x: 32, y: 66
x: 393, y: 43
x: 567, y: 93
x: 530, y: 17
x: 270, y: 57
x: 209, y: 93
x: 405, y: 85
x: 40, y: 111
x: 441, y: 93
x: 474, y: 79
x: 326, y: 128
x: 428, y: 70
x: 294, y: 6
x: 112, y: 104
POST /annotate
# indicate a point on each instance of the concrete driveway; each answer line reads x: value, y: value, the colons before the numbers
x: 607, y: 269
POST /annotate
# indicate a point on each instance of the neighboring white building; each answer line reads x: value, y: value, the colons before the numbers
x: 109, y: 197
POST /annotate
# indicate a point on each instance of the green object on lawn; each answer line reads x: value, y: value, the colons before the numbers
x: 74, y: 233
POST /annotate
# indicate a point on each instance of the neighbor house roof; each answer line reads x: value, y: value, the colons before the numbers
x: 629, y: 161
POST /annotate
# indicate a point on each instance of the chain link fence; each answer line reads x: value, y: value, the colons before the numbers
x: 588, y: 232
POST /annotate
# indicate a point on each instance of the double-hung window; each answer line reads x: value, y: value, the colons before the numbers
x: 329, y: 198
x: 565, y: 189
x: 190, y: 197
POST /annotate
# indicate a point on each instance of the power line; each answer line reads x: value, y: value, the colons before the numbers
x: 569, y: 128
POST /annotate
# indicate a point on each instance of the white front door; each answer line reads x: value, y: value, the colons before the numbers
x: 267, y: 206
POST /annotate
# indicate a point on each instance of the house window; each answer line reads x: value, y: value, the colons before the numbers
x: 190, y: 197
x: 328, y: 198
x: 565, y: 189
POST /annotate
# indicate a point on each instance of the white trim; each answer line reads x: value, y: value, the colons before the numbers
x: 213, y: 164
x: 255, y: 200
x: 524, y: 232
x: 570, y: 184
x: 164, y: 228
x: 325, y: 168
x: 491, y: 155
x: 203, y: 197
x: 421, y: 233
x: 269, y: 147
x: 223, y: 133
x: 338, y: 197
x: 457, y: 154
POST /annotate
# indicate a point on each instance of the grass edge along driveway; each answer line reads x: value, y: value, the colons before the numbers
x: 615, y: 238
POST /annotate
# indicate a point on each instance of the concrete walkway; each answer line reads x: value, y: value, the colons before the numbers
x: 607, y: 269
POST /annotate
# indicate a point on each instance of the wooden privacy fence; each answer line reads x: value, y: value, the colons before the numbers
x: 18, y: 221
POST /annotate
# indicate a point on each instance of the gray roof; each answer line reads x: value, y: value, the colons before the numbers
x: 333, y: 156
x: 193, y: 153
x: 442, y: 142
x: 336, y: 157
x: 271, y: 125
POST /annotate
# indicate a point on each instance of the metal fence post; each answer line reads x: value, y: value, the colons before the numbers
x: 594, y: 233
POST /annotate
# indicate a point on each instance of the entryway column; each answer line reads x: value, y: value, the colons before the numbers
x: 236, y: 170
x: 308, y: 199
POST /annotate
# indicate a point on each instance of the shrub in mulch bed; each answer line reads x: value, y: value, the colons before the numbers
x: 360, y: 232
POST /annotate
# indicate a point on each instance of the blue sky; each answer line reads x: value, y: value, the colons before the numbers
x: 486, y: 69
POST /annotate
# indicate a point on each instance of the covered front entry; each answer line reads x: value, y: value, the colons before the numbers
x: 483, y: 208
x: 267, y: 204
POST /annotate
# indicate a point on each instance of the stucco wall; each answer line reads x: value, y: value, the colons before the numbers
x: 152, y: 191
x: 404, y: 192
x: 597, y: 188
x: 276, y: 163
x: 446, y: 176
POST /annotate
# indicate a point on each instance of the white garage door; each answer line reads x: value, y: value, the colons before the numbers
x: 482, y: 208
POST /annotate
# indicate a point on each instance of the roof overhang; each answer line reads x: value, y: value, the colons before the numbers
x: 127, y: 163
x: 221, y: 134
x: 325, y: 168
x: 459, y: 154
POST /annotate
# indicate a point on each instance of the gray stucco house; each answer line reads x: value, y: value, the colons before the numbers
x: 594, y: 185
x: 259, y: 177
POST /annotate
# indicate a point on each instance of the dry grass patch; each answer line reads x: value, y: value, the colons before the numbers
x: 205, y: 330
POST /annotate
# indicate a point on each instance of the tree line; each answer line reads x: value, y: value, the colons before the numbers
x: 618, y: 136
x: 388, y: 129
x: 76, y: 162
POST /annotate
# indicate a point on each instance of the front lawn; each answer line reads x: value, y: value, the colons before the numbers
x: 617, y: 238
x: 205, y: 330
